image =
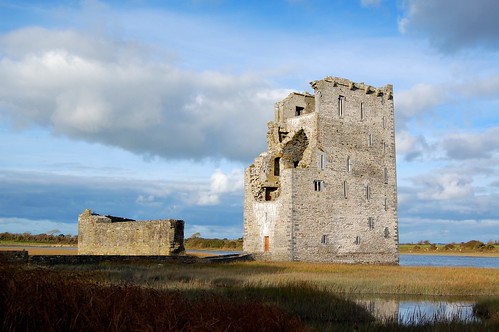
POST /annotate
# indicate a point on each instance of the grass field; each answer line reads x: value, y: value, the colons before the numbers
x: 237, y: 296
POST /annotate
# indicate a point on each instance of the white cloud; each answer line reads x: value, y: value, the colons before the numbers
x: 476, y: 145
x: 143, y: 106
x: 21, y: 225
x: 444, y: 230
x: 452, y: 25
x: 220, y: 184
x: 213, y: 231
x: 411, y: 146
x: 446, y: 187
x: 418, y: 101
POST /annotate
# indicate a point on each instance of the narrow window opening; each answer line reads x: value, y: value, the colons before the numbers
x: 324, y: 239
x: 370, y: 223
x: 386, y: 233
x: 370, y: 140
x: 266, y: 243
x: 299, y: 110
x: 368, y: 192
x: 362, y: 115
x: 357, y: 240
x: 349, y: 164
x: 322, y: 161
x: 386, y: 204
x: 277, y: 169
x: 386, y: 175
x: 345, y: 189
x: 341, y: 100
x: 384, y: 147
x: 318, y: 185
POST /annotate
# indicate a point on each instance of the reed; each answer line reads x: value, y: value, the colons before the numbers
x: 236, y: 296
x: 336, y: 278
x: 41, y: 299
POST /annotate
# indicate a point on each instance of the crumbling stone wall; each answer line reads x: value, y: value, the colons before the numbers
x: 108, y: 235
x: 326, y: 188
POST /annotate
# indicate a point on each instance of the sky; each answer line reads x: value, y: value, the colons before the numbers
x: 153, y: 109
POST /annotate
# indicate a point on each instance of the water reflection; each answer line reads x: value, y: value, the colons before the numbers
x: 409, y: 312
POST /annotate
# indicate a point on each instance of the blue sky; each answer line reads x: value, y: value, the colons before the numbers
x: 152, y: 109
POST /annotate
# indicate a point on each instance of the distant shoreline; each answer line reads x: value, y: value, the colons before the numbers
x: 452, y: 253
x: 68, y: 249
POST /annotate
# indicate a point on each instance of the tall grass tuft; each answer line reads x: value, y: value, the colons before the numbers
x: 42, y: 299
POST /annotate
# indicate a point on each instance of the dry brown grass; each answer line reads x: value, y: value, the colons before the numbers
x: 42, y: 249
x: 336, y: 278
x: 48, y: 300
x: 246, y: 296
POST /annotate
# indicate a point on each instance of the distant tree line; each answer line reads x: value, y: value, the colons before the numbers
x: 473, y: 245
x: 196, y: 241
x: 50, y: 238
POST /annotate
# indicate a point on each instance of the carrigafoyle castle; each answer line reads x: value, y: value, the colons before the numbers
x: 326, y: 189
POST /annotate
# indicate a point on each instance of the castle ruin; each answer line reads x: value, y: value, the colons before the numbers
x: 108, y: 235
x: 326, y: 189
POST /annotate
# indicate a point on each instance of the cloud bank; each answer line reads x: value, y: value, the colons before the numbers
x: 453, y: 25
x: 101, y: 90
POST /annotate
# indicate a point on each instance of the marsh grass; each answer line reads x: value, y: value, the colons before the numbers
x: 318, y: 293
x: 335, y: 278
x: 487, y: 309
x: 48, y: 300
x: 247, y: 296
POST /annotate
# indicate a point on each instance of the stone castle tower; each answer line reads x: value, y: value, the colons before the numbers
x: 326, y: 189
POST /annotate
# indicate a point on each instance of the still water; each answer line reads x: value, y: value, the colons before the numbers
x: 410, y: 260
x: 442, y: 260
x: 419, y: 311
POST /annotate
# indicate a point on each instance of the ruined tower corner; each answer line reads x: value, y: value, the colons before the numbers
x: 177, y: 247
x: 86, y: 213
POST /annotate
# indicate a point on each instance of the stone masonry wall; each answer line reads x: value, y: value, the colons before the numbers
x: 334, y: 195
x: 106, y: 235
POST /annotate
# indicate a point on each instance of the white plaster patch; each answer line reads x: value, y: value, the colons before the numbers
x: 266, y: 215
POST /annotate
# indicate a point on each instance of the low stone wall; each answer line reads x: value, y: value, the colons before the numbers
x: 96, y: 259
x: 22, y: 257
x: 14, y: 256
x: 108, y: 235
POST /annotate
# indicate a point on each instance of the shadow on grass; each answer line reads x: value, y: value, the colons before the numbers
x: 87, y: 300
x: 48, y: 300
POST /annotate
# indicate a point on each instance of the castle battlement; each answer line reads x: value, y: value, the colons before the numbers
x: 386, y: 90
